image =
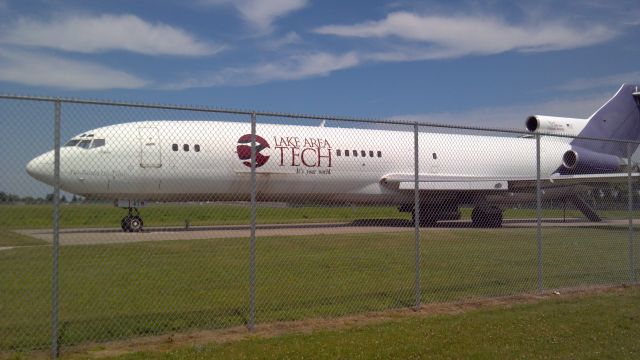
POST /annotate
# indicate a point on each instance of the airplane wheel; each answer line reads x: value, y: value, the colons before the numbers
x: 477, y: 217
x: 498, y: 220
x: 486, y: 217
x: 427, y: 218
x: 135, y: 224
x: 124, y: 223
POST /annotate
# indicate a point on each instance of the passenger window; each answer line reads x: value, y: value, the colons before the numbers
x: 185, y: 147
x: 363, y: 153
x: 338, y: 152
x: 72, y: 142
x: 370, y: 153
x: 355, y: 153
x: 174, y: 147
x: 379, y: 153
x: 196, y: 148
x: 346, y: 153
x: 435, y: 157
x: 97, y: 143
x: 85, y: 144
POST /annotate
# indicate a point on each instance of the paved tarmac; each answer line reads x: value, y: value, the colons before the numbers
x: 92, y: 236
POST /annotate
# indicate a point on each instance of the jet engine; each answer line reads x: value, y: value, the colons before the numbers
x: 580, y: 161
x: 554, y: 124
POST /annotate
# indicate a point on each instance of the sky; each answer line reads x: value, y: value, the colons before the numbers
x: 434, y: 60
x: 463, y: 62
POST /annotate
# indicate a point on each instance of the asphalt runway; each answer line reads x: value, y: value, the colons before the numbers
x: 94, y: 236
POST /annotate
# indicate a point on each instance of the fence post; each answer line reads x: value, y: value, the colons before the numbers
x: 252, y: 239
x: 632, y: 267
x: 416, y: 211
x: 539, y: 213
x: 56, y: 231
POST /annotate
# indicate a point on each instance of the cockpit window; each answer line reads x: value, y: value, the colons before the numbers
x: 72, y: 142
x: 97, y: 143
x: 84, y: 144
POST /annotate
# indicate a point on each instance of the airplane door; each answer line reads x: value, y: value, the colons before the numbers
x: 150, y: 156
x: 434, y: 163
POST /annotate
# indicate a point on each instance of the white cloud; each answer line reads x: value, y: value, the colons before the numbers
x: 38, y: 69
x: 513, y: 116
x: 261, y: 13
x: 95, y: 34
x: 296, y: 67
x: 608, y: 81
x: 289, y: 38
x: 304, y: 66
x: 453, y: 36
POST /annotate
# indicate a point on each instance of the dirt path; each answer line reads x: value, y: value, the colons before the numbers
x: 176, y: 340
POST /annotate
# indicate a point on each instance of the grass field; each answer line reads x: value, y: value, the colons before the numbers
x: 77, y: 215
x: 604, y: 326
x: 104, y: 215
x: 137, y: 289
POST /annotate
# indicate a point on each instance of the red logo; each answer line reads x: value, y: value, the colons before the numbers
x: 244, y: 150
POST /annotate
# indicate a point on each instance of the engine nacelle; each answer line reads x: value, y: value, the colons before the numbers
x: 554, y: 124
x: 583, y: 161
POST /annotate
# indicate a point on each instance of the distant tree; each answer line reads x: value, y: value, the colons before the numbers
x: 74, y: 199
x: 29, y: 199
x: 63, y: 199
x: 4, y: 197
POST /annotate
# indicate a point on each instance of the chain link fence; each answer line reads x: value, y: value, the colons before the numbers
x: 155, y: 219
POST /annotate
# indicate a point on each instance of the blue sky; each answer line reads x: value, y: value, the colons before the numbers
x: 446, y: 61
x: 482, y: 63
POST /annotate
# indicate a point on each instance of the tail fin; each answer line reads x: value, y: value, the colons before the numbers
x: 618, y: 119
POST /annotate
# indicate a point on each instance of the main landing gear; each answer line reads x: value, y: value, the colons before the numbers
x: 486, y: 216
x: 132, y: 222
x: 428, y: 218
x: 482, y: 216
x: 432, y: 213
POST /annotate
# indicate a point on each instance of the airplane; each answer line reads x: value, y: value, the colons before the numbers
x: 166, y: 161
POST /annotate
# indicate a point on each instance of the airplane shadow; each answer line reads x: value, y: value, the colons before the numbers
x: 461, y: 223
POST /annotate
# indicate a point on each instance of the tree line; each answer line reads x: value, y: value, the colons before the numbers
x: 12, y: 198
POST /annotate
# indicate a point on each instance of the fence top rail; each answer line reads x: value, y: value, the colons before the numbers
x: 294, y: 116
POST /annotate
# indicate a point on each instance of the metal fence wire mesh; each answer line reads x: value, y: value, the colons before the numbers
x: 176, y: 219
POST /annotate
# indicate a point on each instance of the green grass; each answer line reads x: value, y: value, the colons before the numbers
x: 605, y: 326
x: 10, y: 238
x: 137, y: 289
x: 104, y: 215
x: 78, y: 215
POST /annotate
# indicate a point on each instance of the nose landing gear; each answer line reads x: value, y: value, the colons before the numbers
x: 132, y: 222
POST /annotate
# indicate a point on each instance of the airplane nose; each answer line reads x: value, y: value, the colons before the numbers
x: 41, y: 168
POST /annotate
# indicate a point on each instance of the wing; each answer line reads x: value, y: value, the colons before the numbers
x: 406, y: 181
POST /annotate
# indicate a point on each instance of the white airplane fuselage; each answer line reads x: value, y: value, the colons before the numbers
x: 305, y: 164
x: 211, y: 161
